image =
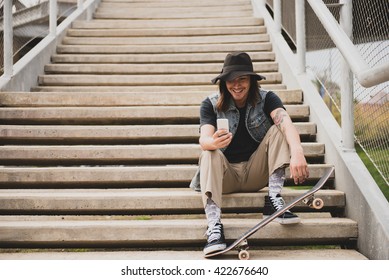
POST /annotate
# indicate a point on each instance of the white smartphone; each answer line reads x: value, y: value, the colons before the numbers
x: 222, y: 124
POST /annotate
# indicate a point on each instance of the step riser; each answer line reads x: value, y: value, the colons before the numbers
x: 166, y: 40
x: 130, y: 202
x: 166, y: 23
x: 139, y: 80
x: 160, y: 49
x: 146, y: 154
x: 162, y: 11
x: 209, y: 5
x: 148, y: 68
x: 121, y: 32
x: 135, y: 233
x: 156, y: 59
x: 108, y: 177
x: 145, y: 97
x: 118, y: 115
x: 157, y: 15
x: 141, y: 89
x: 115, y: 134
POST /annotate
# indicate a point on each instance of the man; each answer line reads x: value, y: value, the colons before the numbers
x: 261, y: 142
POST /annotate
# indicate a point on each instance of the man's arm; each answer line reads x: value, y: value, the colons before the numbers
x: 298, y: 165
x: 211, y: 140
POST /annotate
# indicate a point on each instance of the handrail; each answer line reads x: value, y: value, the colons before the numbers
x: 367, y: 76
x: 10, y: 69
x: 23, y: 16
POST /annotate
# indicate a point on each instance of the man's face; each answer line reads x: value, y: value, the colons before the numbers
x: 239, y: 89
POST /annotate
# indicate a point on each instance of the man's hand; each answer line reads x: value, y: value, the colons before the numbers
x: 298, y: 167
x: 212, y: 140
x: 221, y: 138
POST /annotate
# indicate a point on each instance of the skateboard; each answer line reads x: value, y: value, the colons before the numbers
x: 308, y: 198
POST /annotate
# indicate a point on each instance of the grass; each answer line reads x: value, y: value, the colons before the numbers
x: 143, y: 218
x: 373, y: 171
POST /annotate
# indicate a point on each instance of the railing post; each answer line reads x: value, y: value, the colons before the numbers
x: 346, y: 84
x: 91, y: 10
x: 277, y: 15
x: 80, y: 4
x: 300, y: 36
x: 8, y: 39
x: 53, y: 17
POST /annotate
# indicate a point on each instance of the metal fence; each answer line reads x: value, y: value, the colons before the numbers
x: 30, y: 19
x: 371, y: 105
x: 370, y: 34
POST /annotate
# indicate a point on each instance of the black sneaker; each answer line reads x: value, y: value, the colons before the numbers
x: 273, y: 204
x: 215, y: 239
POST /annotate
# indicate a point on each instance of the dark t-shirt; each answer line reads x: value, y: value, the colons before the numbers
x: 242, y: 145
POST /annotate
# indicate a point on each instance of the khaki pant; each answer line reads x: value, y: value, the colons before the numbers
x: 218, y: 176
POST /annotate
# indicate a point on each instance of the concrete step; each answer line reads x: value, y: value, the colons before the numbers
x: 143, y: 201
x: 159, y: 58
x: 116, y: 176
x: 177, y: 40
x: 119, y: 154
x: 139, y: 80
x: 263, y: 254
x: 150, y: 68
x: 190, y: 232
x: 188, y: 8
x: 158, y: 32
x: 151, y: 4
x: 140, y: 134
x: 118, y: 115
x: 162, y: 11
x: 166, y: 23
x: 206, y: 88
x: 145, y: 96
x: 170, y: 14
x: 164, y: 49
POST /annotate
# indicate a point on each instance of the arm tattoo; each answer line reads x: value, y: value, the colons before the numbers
x: 279, y: 117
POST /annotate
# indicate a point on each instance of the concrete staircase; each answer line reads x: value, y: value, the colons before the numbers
x: 100, y: 153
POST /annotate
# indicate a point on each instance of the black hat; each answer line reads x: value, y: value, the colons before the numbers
x: 237, y: 64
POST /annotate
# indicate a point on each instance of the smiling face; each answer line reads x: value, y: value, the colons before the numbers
x: 239, y: 89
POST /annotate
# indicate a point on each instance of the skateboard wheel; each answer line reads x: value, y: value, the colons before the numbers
x: 244, y: 255
x: 317, y: 203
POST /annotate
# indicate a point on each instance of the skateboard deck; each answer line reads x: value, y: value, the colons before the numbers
x: 241, y: 243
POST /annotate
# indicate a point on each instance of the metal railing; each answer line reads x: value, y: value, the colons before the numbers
x: 10, y: 21
x: 355, y: 70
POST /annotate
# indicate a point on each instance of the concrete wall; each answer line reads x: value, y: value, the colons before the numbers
x: 365, y: 202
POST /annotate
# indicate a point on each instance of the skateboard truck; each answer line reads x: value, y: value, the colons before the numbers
x: 312, y: 202
x: 243, y: 250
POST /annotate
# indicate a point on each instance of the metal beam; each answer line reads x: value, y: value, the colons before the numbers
x: 367, y: 76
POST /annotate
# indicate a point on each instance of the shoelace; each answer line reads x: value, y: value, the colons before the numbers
x: 214, y: 232
x: 277, y: 202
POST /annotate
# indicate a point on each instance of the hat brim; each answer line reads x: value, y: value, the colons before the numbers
x: 229, y: 76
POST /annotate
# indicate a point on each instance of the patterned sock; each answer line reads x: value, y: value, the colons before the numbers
x: 276, y: 182
x: 213, y: 212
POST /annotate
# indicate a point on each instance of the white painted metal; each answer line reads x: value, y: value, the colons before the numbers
x: 365, y: 75
x: 277, y: 15
x: 300, y: 36
x: 53, y: 17
x: 34, y: 60
x: 8, y: 40
x: 346, y: 84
